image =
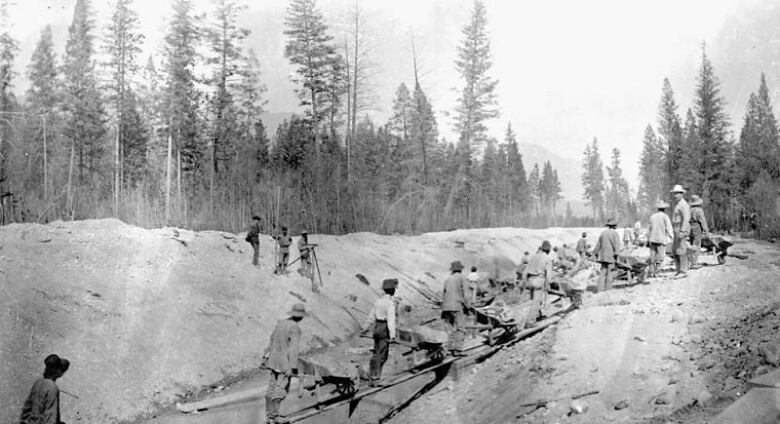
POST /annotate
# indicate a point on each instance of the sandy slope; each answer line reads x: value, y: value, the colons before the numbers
x: 147, y: 316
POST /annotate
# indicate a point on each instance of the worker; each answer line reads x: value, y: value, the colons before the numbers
x: 472, y: 281
x: 281, y: 359
x: 606, y: 251
x: 304, y: 249
x: 699, y: 230
x: 43, y: 404
x: 556, y: 259
x: 284, y: 251
x: 582, y: 247
x: 567, y: 258
x: 526, y: 257
x: 453, y: 304
x: 536, y: 277
x: 660, y: 232
x: 253, y: 237
x: 383, y: 320
x: 628, y: 238
x: 681, y: 226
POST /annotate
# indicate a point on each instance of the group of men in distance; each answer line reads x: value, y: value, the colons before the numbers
x: 685, y: 230
x: 284, y: 241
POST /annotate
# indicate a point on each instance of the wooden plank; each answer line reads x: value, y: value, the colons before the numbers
x: 237, y: 397
x: 769, y: 380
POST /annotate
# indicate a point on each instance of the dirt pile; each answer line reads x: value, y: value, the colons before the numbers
x: 148, y: 316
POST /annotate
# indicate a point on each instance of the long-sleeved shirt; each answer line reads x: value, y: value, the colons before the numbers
x: 697, y: 217
x: 681, y: 217
x: 43, y: 404
x: 608, y: 246
x: 582, y: 245
x: 303, y: 247
x: 539, y: 265
x: 283, y: 346
x: 384, y: 310
x: 284, y: 242
x: 453, y: 297
x: 253, y: 234
x: 660, y: 228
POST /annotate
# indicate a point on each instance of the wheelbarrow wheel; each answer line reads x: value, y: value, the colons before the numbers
x: 721, y: 259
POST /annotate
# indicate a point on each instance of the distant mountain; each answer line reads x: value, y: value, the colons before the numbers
x: 272, y: 120
x: 568, y: 168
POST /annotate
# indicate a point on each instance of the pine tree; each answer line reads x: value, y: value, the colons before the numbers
x: 85, y: 116
x: 617, y: 192
x: 9, y: 47
x: 712, y: 161
x: 122, y: 46
x: 518, y: 184
x: 652, y: 171
x: 424, y: 129
x: 593, y: 178
x: 690, y: 145
x: 670, y: 140
x: 534, y: 179
x: 477, y: 102
x: 310, y: 49
x: 758, y: 140
x: 42, y: 101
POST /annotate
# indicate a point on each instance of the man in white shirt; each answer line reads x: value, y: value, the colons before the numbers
x: 383, y: 319
x: 473, y: 281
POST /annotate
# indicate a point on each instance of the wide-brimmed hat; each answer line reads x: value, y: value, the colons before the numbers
x: 304, y: 232
x: 546, y: 245
x: 298, y: 310
x: 54, y: 362
x: 584, y: 234
x: 456, y: 266
x: 661, y: 204
x: 284, y: 228
x: 255, y: 217
x: 611, y: 222
x: 389, y: 283
x: 677, y: 189
x: 696, y: 200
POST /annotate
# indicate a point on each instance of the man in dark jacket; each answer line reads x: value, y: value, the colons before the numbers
x: 281, y: 359
x: 536, y: 277
x: 43, y: 404
x: 582, y: 247
x: 304, y: 249
x: 606, y: 251
x: 253, y: 237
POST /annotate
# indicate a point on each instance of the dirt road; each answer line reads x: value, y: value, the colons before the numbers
x: 678, y: 350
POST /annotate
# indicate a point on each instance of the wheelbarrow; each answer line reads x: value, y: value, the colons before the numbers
x: 718, y: 246
x: 345, y: 385
x: 630, y: 268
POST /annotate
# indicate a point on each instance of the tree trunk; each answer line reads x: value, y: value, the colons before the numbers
x: 168, y: 180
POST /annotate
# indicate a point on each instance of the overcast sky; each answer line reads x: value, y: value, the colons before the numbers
x: 567, y: 70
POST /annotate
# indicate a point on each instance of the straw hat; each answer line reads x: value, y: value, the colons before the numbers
x: 456, y: 266
x: 611, y: 222
x: 298, y: 310
x: 696, y: 200
x: 661, y: 205
x: 389, y: 283
x: 678, y: 189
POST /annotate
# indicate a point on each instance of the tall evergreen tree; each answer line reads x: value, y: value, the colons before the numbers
x: 758, y: 140
x: 670, y: 139
x: 85, y: 115
x: 652, y: 171
x: 711, y: 161
x: 477, y: 102
x: 518, y: 184
x: 617, y: 193
x: 534, y: 179
x: 9, y: 47
x: 593, y: 178
x: 424, y: 129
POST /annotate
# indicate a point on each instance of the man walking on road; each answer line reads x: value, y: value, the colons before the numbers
x: 281, y: 358
x: 536, y: 277
x: 606, y: 251
x: 660, y: 233
x: 253, y: 237
x: 681, y: 225
x: 284, y: 251
x: 43, y: 404
x: 699, y: 230
x: 383, y: 319
x: 582, y: 247
x: 454, y: 302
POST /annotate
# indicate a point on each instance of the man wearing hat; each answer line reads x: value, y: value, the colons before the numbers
x: 606, y: 251
x: 303, y: 250
x: 43, y: 403
x: 698, y: 230
x: 660, y: 233
x: 536, y: 277
x: 281, y: 358
x: 382, y: 318
x: 453, y: 303
x: 582, y: 247
x: 284, y: 251
x: 253, y: 237
x: 681, y: 225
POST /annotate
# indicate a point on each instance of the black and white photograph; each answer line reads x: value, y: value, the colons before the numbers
x: 404, y: 211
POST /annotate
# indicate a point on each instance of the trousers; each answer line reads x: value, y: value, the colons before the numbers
x: 381, y: 349
x: 256, y: 248
x: 605, y: 276
x: 453, y: 320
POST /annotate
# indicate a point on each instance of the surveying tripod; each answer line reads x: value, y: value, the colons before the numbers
x: 315, y: 283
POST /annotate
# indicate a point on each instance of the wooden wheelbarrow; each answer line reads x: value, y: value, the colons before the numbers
x: 344, y: 384
x: 718, y: 246
x: 492, y: 326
